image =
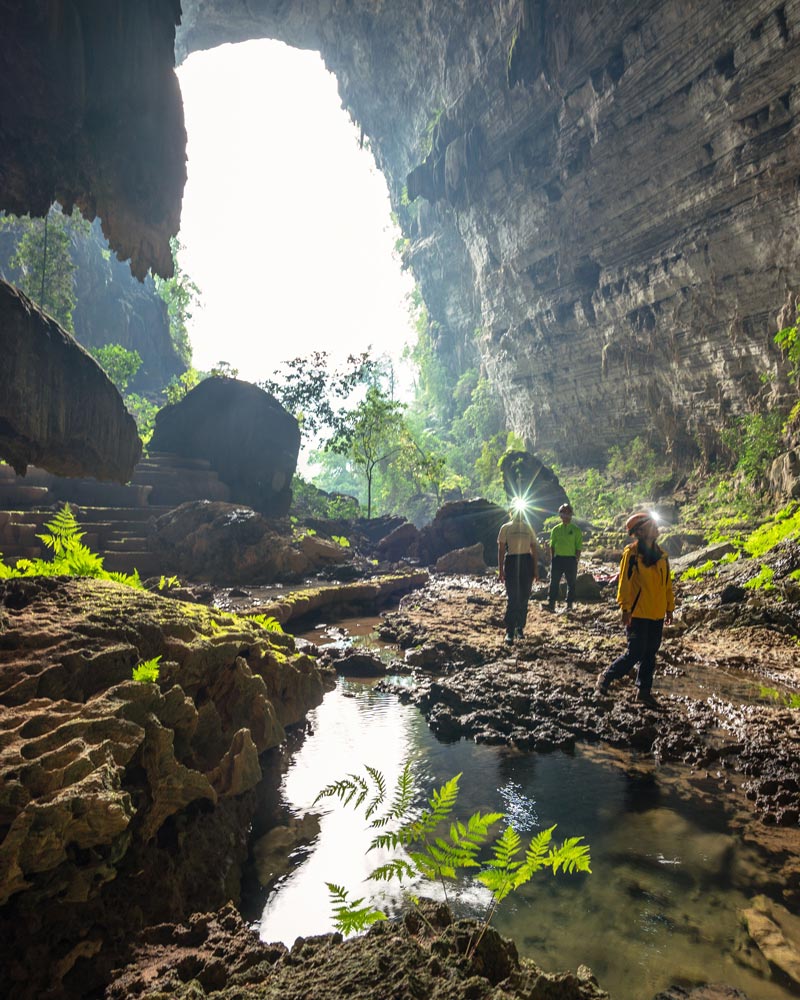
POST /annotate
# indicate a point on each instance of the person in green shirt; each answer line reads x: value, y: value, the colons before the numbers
x: 565, y: 551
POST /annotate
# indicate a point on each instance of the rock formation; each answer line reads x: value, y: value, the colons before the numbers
x: 92, y: 116
x: 110, y: 786
x: 250, y: 440
x: 605, y: 191
x: 58, y: 409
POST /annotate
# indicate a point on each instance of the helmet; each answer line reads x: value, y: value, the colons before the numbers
x: 565, y: 508
x: 637, y: 521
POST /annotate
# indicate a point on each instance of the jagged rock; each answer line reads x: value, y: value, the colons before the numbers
x: 320, y: 551
x: 399, y: 542
x: 784, y: 475
x: 713, y: 991
x: 360, y: 664
x: 244, y: 432
x: 100, y: 774
x: 777, y: 933
x: 205, y: 540
x: 273, y: 853
x: 58, y: 409
x: 467, y: 560
x: 459, y: 524
x: 372, y: 593
x: 124, y: 159
x: 732, y: 594
x: 421, y: 955
x: 526, y: 476
x: 701, y: 556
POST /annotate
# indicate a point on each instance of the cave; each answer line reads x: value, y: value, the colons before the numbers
x: 600, y: 200
x: 599, y: 203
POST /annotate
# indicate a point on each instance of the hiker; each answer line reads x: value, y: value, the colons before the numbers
x: 518, y: 567
x: 644, y: 593
x: 565, y: 552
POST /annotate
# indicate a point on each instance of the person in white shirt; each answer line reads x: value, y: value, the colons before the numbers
x: 518, y: 567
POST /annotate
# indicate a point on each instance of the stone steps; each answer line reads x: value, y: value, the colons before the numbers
x: 115, y: 518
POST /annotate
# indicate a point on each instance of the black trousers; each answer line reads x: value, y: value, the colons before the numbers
x: 519, y: 581
x: 563, y: 566
x: 644, y: 640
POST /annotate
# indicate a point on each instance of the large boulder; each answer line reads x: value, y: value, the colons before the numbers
x: 58, y: 408
x: 248, y: 437
x: 524, y: 475
x: 460, y: 524
x: 218, y: 541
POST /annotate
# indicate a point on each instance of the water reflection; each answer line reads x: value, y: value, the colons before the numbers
x: 660, y: 907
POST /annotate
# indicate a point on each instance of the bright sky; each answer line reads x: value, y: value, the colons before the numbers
x: 286, y: 223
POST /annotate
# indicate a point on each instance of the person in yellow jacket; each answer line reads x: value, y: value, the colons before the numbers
x: 644, y: 594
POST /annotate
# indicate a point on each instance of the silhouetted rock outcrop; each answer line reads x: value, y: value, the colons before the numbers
x: 58, y: 409
x: 250, y: 440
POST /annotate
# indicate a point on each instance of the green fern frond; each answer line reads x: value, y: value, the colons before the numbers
x: 350, y: 916
x: 572, y: 856
x: 398, y: 869
x: 506, y: 848
x: 62, y: 532
x: 536, y: 855
x: 403, y: 795
x: 353, y: 786
x: 147, y: 671
x: 268, y: 622
x: 441, y: 804
x: 389, y: 841
x: 129, y: 579
x: 380, y: 790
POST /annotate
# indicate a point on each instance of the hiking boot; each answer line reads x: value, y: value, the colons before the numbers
x: 519, y: 634
x: 601, y: 685
x: 645, y: 698
x: 509, y: 639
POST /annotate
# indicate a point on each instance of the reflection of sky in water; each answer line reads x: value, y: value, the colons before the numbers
x: 659, y: 908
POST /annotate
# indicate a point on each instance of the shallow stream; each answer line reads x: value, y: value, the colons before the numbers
x: 668, y: 878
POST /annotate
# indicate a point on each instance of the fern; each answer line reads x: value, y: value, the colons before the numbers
x: 349, y: 915
x: 436, y: 856
x: 63, y: 532
x: 148, y: 671
x: 266, y: 622
x: 70, y: 557
x: 168, y: 582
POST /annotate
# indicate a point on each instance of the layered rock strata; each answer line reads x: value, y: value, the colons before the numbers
x: 605, y: 191
x: 123, y: 802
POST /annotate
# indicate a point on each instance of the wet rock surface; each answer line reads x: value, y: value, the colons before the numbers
x: 112, y: 787
x: 539, y: 695
x: 217, y: 956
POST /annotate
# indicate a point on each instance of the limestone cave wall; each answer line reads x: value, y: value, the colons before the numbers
x: 606, y: 191
x: 602, y: 198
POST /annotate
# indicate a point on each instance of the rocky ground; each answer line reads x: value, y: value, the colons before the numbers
x: 112, y: 786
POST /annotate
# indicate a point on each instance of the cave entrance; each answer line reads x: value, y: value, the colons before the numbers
x: 286, y: 223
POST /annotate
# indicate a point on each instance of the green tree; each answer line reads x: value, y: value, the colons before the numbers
x: 120, y: 364
x: 369, y: 435
x: 315, y: 392
x: 43, y: 267
x: 182, y: 297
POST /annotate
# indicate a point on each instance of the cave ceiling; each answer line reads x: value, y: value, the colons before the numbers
x: 600, y: 199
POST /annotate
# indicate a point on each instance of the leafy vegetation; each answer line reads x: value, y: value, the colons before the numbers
x: 763, y: 581
x: 181, y: 297
x: 694, y: 572
x: 267, y: 622
x: 120, y: 364
x: 433, y: 846
x: 148, y: 671
x: 773, y: 694
x: 41, y: 264
x: 70, y: 557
